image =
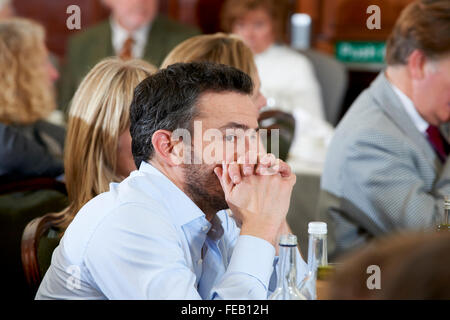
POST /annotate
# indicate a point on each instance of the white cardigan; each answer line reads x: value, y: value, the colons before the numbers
x: 288, y: 81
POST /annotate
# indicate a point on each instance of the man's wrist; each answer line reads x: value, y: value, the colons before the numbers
x: 266, y: 232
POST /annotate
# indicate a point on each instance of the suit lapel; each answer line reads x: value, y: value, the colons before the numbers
x: 388, y: 101
x: 99, y: 46
x: 445, y: 130
x: 156, y: 46
x: 104, y: 46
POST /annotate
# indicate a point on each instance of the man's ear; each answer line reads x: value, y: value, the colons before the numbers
x: 416, y: 64
x: 168, y: 149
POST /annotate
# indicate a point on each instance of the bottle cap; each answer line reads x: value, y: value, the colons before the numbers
x: 288, y: 240
x: 446, y: 199
x: 317, y: 227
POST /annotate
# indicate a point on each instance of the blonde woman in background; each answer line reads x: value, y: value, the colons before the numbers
x: 98, y: 142
x: 6, y: 9
x: 219, y: 48
x: 29, y: 145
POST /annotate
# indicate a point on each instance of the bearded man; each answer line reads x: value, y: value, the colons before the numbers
x: 164, y: 233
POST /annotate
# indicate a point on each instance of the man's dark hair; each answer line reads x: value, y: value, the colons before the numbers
x: 167, y: 99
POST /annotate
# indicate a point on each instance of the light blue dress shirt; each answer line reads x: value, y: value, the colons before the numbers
x: 145, y: 239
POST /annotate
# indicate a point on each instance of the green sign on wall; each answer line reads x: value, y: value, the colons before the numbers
x: 360, y: 52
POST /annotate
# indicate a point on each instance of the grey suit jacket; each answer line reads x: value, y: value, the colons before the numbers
x: 381, y: 175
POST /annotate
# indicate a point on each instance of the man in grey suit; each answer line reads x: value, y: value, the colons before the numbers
x: 387, y: 168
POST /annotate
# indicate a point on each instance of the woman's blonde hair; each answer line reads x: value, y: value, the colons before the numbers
x: 26, y: 95
x: 219, y: 48
x: 98, y: 115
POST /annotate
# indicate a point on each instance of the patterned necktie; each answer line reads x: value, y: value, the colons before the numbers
x: 438, y: 142
x: 126, y: 52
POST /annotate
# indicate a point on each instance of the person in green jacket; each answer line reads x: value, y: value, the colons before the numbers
x: 133, y: 30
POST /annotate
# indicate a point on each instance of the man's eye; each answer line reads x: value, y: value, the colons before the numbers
x: 230, y: 138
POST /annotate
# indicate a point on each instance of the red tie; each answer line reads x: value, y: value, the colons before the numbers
x: 127, y: 50
x: 438, y: 142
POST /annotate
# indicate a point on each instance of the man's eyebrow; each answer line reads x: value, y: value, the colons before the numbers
x: 236, y: 125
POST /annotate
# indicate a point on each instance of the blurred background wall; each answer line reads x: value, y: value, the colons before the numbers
x: 334, y: 23
x: 332, y: 20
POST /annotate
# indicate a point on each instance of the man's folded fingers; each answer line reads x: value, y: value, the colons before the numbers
x: 248, y: 163
x: 234, y: 172
x: 284, y: 168
x: 267, y: 159
x: 268, y: 165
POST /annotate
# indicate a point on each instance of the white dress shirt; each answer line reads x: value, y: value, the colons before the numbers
x: 144, y: 239
x: 411, y: 110
x: 120, y: 35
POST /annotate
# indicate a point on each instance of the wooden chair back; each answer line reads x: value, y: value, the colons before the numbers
x: 32, y: 261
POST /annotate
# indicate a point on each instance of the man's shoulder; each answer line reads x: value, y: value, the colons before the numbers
x: 368, y: 112
x: 366, y: 125
x: 174, y: 25
x: 364, y: 115
x: 126, y: 204
x: 92, y: 33
x: 172, y: 29
x: 364, y: 131
x: 137, y: 192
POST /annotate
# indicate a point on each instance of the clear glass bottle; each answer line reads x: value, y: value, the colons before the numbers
x: 317, y: 257
x: 287, y: 271
x: 445, y: 226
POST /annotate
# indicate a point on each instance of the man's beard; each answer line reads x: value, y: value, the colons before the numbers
x: 203, y: 187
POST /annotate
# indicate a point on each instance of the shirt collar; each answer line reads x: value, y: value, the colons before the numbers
x: 183, y: 208
x: 120, y: 35
x: 411, y: 110
x: 216, y: 231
